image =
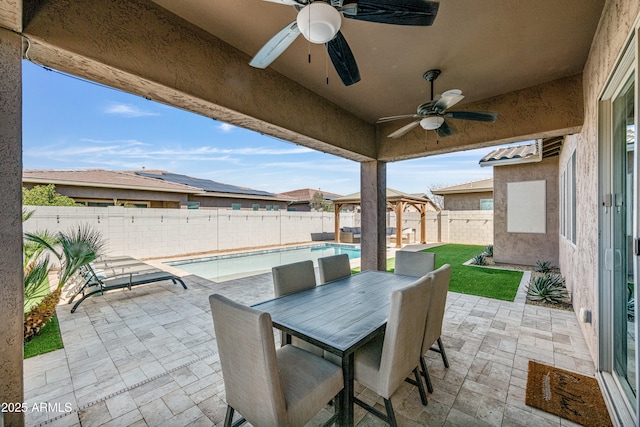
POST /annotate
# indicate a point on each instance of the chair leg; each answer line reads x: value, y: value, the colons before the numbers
x: 425, y: 373
x: 228, y: 419
x: 390, y: 414
x: 423, y: 395
x: 442, y: 353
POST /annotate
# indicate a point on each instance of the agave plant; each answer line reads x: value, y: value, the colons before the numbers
x: 549, y: 288
x: 479, y: 260
x: 543, y: 266
x: 488, y: 251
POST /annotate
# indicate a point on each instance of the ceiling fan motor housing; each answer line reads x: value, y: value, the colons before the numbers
x: 426, y: 109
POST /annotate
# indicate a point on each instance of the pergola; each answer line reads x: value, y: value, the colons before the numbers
x: 397, y: 201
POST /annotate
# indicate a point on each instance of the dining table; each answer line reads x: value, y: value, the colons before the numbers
x: 340, y: 317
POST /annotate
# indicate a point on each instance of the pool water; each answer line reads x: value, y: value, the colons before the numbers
x: 227, y: 267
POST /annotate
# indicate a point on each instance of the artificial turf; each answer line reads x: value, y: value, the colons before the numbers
x: 474, y: 280
x: 47, y: 340
x: 471, y: 280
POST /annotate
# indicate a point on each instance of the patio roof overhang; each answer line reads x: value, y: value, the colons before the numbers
x: 183, y: 59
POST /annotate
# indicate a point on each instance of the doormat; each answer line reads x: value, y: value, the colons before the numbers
x: 572, y: 396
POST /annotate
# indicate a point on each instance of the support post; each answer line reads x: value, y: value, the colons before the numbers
x: 373, y: 183
x: 11, y: 291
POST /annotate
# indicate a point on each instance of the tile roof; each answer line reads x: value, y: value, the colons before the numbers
x: 306, y: 194
x: 102, y: 178
x: 525, y: 153
x: 468, y: 187
x: 509, y: 153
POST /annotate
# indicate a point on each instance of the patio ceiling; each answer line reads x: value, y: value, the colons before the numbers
x: 522, y: 60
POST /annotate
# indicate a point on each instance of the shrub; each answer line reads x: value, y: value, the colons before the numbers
x: 488, y: 250
x: 479, y: 260
x: 549, y: 288
x: 543, y: 266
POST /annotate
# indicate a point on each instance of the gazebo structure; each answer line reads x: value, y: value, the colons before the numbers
x: 397, y: 201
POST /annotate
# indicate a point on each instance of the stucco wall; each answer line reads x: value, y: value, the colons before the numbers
x: 526, y: 248
x: 579, y: 263
x: 466, y: 201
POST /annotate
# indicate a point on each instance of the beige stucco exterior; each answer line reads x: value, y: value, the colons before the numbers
x: 526, y: 248
x: 465, y: 201
x: 579, y: 262
x: 11, y: 290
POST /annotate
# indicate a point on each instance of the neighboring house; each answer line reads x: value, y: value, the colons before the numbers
x: 301, y: 199
x: 470, y: 196
x: 526, y: 206
x: 150, y: 189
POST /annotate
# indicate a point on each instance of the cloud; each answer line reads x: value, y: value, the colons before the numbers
x: 226, y: 127
x: 128, y: 110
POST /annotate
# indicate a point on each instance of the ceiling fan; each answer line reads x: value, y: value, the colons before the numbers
x: 319, y: 22
x: 431, y: 115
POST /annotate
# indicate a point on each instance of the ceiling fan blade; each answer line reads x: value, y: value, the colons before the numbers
x: 392, y: 118
x: 403, y: 129
x: 287, y: 2
x: 274, y: 47
x: 444, y: 130
x: 472, y: 115
x: 448, y: 100
x: 398, y: 12
x: 343, y: 60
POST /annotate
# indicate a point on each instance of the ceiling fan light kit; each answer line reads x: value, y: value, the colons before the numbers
x: 319, y: 22
x: 431, y: 123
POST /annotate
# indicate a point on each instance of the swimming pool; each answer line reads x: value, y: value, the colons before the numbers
x: 226, y: 267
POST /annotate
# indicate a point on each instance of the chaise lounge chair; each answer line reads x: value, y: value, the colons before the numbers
x: 92, y: 283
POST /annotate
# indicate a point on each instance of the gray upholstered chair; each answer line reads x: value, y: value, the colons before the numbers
x: 268, y: 387
x: 383, y: 364
x: 435, y: 316
x: 291, y: 278
x: 414, y: 263
x: 334, y: 267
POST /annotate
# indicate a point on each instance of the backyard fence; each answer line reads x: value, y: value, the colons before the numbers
x: 152, y: 233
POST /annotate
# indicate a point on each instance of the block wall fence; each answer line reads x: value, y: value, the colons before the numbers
x: 154, y: 233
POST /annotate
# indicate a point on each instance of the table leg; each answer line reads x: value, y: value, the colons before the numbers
x: 346, y: 402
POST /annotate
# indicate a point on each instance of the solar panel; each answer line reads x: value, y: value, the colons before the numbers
x: 205, y: 184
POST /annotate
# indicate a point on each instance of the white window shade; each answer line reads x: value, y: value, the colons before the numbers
x: 527, y: 207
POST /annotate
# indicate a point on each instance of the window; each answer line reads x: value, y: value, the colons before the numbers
x: 255, y: 206
x: 193, y: 205
x: 236, y: 206
x: 486, y: 204
x: 267, y: 207
x: 568, y: 200
x: 276, y: 207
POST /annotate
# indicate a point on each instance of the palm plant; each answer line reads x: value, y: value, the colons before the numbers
x: 77, y: 247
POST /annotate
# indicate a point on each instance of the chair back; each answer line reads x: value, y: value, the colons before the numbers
x: 403, y: 335
x: 291, y: 278
x: 438, y: 301
x: 415, y: 264
x: 334, y: 267
x: 248, y: 359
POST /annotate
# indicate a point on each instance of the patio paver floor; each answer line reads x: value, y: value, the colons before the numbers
x: 148, y: 357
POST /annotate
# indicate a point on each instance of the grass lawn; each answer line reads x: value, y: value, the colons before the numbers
x: 484, y: 282
x: 47, y: 340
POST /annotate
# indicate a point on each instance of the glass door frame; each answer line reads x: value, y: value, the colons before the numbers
x: 624, y: 412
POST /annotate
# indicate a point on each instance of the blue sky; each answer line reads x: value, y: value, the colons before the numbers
x: 72, y: 124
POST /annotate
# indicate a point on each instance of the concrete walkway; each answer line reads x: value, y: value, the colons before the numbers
x: 148, y: 357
